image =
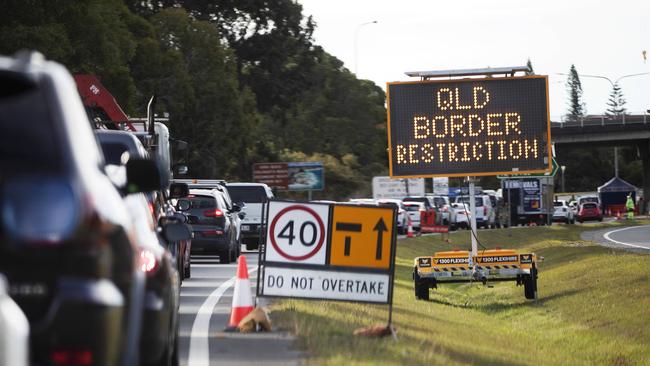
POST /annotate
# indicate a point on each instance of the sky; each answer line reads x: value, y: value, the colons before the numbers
x: 603, y: 38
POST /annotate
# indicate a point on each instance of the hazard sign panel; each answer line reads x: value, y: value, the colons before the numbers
x: 467, y: 127
x: 297, y: 232
x: 328, y: 251
x: 323, y: 284
x: 361, y: 236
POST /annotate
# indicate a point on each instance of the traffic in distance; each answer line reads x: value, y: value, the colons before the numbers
x: 113, y: 251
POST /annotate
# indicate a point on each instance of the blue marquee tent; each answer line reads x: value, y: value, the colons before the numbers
x: 615, y: 192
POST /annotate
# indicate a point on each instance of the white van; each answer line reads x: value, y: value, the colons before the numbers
x: 485, y: 214
x: 253, y: 195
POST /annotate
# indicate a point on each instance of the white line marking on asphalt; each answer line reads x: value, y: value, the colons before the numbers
x: 606, y: 236
x: 199, y: 354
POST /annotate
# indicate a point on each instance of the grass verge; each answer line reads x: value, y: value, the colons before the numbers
x: 594, y: 309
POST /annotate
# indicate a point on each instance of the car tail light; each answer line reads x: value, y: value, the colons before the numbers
x: 213, y: 213
x: 72, y: 358
x: 445, y: 208
x: 212, y: 232
x: 147, y: 262
x: 484, y: 210
x: 40, y: 210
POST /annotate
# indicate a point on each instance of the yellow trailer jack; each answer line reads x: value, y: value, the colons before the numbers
x: 486, y: 266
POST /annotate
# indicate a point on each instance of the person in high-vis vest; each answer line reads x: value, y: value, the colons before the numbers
x: 630, y: 207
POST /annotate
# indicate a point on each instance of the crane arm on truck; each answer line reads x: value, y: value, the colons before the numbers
x: 100, y: 101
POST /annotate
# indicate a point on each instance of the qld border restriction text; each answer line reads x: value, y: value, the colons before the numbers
x: 468, y: 127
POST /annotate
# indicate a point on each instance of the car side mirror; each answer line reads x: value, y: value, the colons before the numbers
x: 242, y: 215
x: 178, y: 190
x: 176, y: 232
x: 142, y: 175
x: 236, y: 207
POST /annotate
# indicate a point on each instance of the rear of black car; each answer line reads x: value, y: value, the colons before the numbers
x: 70, y: 264
x: 210, y: 225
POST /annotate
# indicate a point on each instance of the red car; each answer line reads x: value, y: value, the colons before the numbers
x: 589, y: 211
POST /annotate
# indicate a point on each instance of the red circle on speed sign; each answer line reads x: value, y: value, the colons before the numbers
x: 321, y: 226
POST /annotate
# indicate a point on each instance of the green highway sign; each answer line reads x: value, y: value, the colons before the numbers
x: 554, y: 169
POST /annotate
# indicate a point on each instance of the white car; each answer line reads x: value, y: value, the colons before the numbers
x: 562, y: 212
x: 254, y: 195
x: 459, y: 216
x: 485, y: 214
x: 402, y: 220
x: 414, y: 210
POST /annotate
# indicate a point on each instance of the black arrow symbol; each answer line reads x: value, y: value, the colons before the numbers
x: 380, y: 228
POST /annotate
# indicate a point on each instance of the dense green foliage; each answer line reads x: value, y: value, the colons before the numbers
x: 242, y: 81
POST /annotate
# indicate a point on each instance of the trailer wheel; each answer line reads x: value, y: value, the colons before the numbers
x: 530, y: 284
x: 421, y: 286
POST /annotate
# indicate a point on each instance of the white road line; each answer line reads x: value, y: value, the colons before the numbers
x: 199, y: 354
x: 606, y: 236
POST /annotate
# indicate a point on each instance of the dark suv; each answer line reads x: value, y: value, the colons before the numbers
x: 65, y: 232
x: 214, y: 225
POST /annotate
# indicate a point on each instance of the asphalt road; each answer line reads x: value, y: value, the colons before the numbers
x: 633, y: 238
x: 206, y: 301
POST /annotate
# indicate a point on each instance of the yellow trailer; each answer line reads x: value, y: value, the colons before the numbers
x: 488, y: 265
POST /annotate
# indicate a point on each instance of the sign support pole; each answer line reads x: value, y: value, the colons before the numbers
x: 472, y: 210
x: 309, y: 195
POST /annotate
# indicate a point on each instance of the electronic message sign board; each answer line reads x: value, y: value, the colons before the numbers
x: 469, y: 127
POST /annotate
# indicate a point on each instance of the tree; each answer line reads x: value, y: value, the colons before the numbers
x: 530, y: 68
x: 577, y: 108
x: 616, y: 103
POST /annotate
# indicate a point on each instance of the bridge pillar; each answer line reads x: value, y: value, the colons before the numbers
x: 644, y: 149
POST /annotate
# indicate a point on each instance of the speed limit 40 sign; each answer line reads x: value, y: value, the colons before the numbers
x: 297, y: 233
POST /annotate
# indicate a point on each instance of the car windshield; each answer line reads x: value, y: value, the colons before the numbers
x: 202, y: 202
x: 439, y: 201
x: 589, y: 205
x: 411, y: 206
x: 247, y: 194
x: 589, y: 199
x: 558, y: 204
x: 113, y: 152
x: 478, y: 201
x: 27, y: 134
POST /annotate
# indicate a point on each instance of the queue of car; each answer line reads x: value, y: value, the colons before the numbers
x: 80, y: 244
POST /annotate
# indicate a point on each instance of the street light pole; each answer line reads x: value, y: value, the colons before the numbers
x: 563, y: 168
x: 356, y: 42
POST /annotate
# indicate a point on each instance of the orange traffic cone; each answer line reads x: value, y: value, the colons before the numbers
x: 242, y: 299
x: 409, y: 230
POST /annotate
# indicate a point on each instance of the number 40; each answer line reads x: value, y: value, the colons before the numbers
x: 287, y: 233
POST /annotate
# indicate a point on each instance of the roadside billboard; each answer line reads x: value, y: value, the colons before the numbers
x: 469, y: 127
x: 294, y: 176
x: 386, y: 187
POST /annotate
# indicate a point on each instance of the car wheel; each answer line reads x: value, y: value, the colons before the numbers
x: 530, y: 285
x: 421, y: 286
x: 187, y: 272
x: 225, y: 256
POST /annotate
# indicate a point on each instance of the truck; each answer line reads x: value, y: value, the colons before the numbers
x: 529, y: 199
